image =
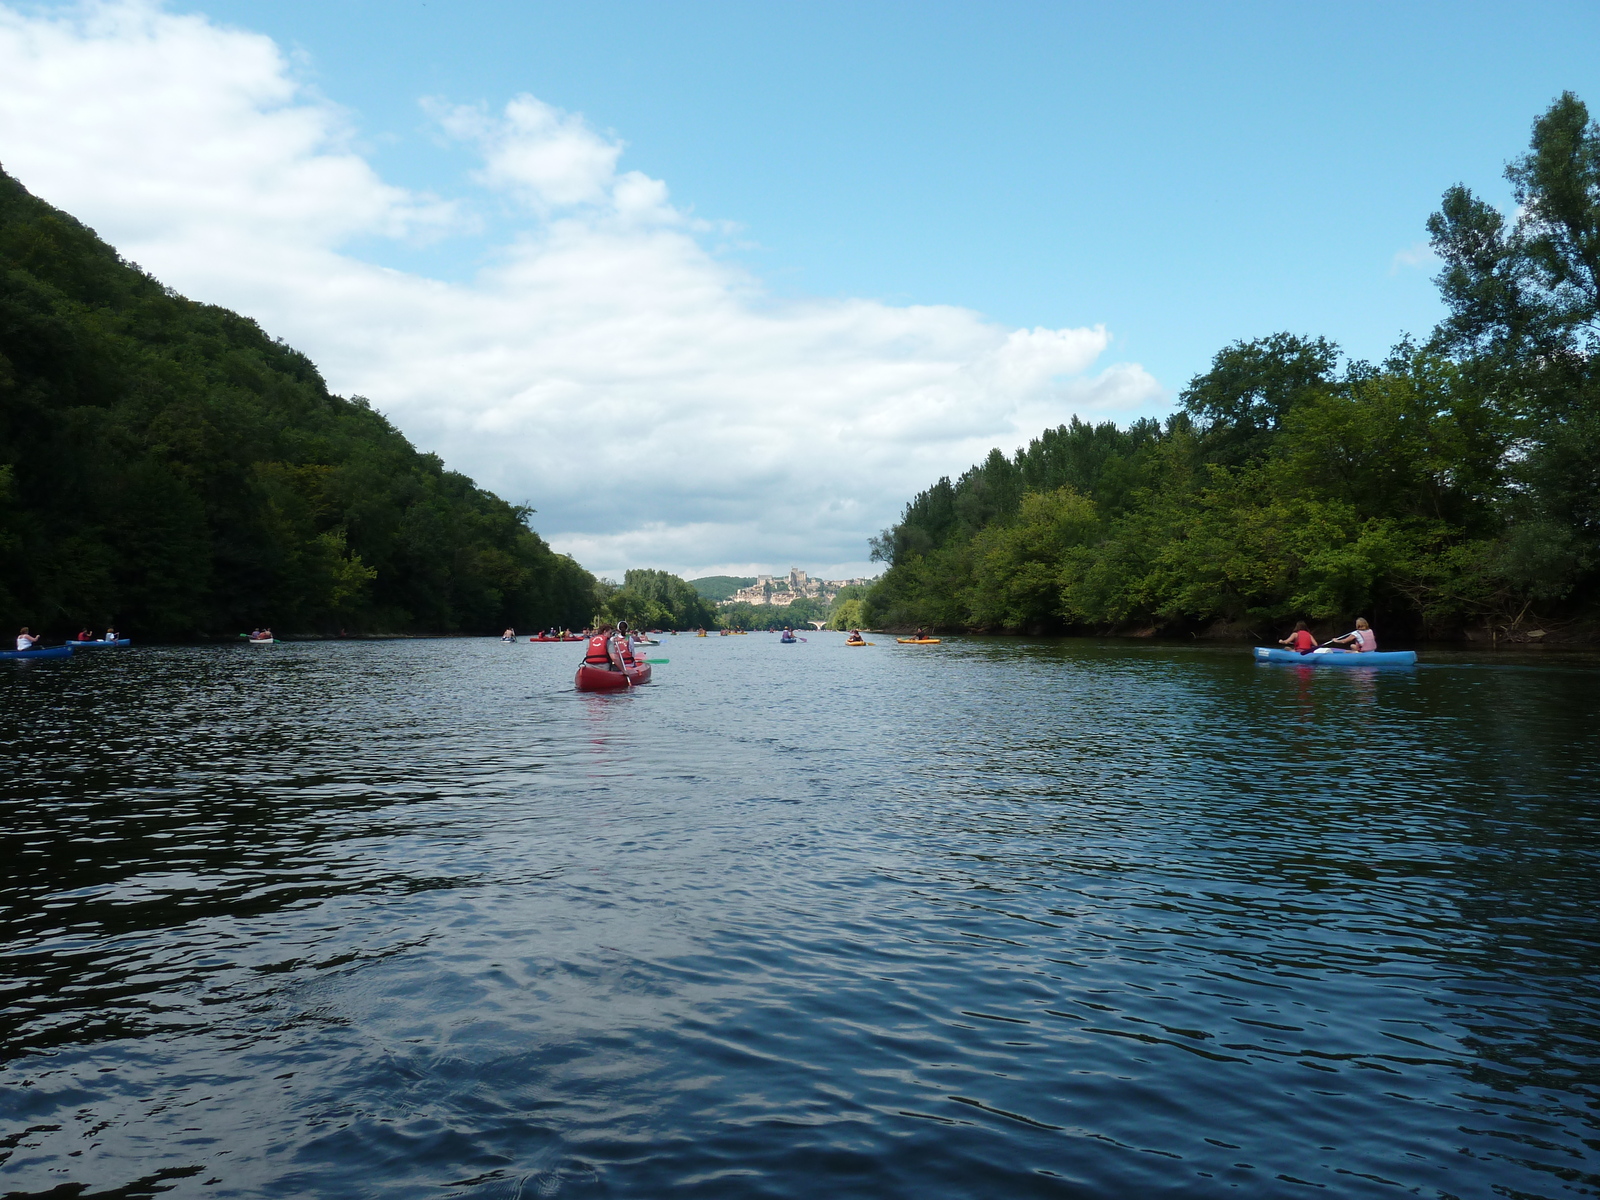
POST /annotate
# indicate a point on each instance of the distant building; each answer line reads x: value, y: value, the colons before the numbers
x: 782, y: 591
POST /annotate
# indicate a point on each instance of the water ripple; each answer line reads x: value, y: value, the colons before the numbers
x: 1008, y: 918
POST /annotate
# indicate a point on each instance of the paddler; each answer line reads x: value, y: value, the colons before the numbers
x: 623, y: 643
x: 601, y: 653
x: 1301, y: 640
x: 855, y: 638
x: 1360, y: 640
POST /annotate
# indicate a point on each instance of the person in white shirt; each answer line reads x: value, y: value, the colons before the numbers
x: 26, y: 640
x: 1360, y: 640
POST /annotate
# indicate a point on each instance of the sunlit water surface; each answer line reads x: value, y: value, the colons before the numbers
x: 987, y: 919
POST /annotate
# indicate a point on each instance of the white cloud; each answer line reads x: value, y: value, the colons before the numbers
x: 547, y: 158
x: 655, y: 404
x: 1418, y: 254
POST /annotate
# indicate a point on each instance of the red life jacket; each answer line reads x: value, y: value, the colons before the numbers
x: 597, y: 655
x: 1303, y: 641
x: 627, y: 651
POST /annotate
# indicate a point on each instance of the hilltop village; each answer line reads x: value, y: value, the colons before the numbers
x: 782, y: 591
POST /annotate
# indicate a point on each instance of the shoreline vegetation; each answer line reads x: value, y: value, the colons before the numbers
x: 167, y: 466
x: 1449, y: 493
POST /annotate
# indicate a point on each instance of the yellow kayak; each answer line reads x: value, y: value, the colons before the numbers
x: 918, y: 641
x: 848, y: 643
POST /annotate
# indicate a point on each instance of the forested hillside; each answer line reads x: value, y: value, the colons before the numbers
x: 717, y: 588
x: 167, y: 466
x: 1453, y: 488
x: 655, y: 600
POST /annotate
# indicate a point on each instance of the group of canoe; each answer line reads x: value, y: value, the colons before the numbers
x: 28, y: 644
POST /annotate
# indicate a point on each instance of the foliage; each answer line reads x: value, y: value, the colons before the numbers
x: 1376, y: 491
x: 716, y: 588
x: 1456, y: 482
x: 653, y: 600
x: 766, y: 616
x: 847, y: 614
x: 166, y: 466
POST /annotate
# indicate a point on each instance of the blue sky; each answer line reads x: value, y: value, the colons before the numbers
x: 719, y: 287
x: 1186, y: 174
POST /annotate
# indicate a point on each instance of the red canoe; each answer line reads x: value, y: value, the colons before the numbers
x: 599, y: 679
x: 551, y: 639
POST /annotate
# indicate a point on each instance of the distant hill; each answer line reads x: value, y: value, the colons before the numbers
x: 716, y: 588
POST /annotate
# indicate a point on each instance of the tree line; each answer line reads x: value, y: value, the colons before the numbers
x: 1453, y: 486
x: 168, y: 467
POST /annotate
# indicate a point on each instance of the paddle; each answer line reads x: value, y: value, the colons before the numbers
x: 658, y: 660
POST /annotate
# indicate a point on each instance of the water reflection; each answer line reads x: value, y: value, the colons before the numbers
x: 1012, y: 918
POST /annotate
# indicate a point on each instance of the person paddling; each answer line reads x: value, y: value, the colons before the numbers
x: 855, y: 638
x: 1360, y: 640
x: 624, y: 642
x: 26, y: 640
x: 600, y: 653
x: 1301, y: 640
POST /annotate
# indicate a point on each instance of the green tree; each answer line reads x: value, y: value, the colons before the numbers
x: 1242, y: 402
x: 1524, y: 301
x: 168, y: 466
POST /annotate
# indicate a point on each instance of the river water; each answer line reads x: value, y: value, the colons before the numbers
x: 988, y: 919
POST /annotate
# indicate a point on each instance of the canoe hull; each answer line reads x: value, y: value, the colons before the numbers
x: 50, y: 652
x: 918, y: 641
x: 1338, y: 658
x: 94, y: 645
x: 599, y: 679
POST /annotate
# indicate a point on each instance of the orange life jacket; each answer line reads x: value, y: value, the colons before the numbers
x: 598, y: 654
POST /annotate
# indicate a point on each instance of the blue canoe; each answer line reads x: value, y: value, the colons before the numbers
x: 100, y: 645
x: 788, y: 639
x: 51, y: 652
x: 1339, y: 658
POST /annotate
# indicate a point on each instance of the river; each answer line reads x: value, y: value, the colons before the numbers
x: 997, y: 918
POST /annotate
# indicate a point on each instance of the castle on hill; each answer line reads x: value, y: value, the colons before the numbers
x: 780, y: 591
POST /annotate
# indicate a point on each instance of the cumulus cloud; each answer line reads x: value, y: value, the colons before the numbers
x: 653, y: 402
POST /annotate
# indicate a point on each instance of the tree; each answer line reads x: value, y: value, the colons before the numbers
x: 168, y: 466
x: 1252, y: 386
x: 1532, y: 287
x: 654, y: 600
x: 1524, y: 300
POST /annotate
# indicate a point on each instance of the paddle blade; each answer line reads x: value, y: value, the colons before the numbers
x: 658, y: 660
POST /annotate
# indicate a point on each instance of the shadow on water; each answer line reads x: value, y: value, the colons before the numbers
x: 989, y: 918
